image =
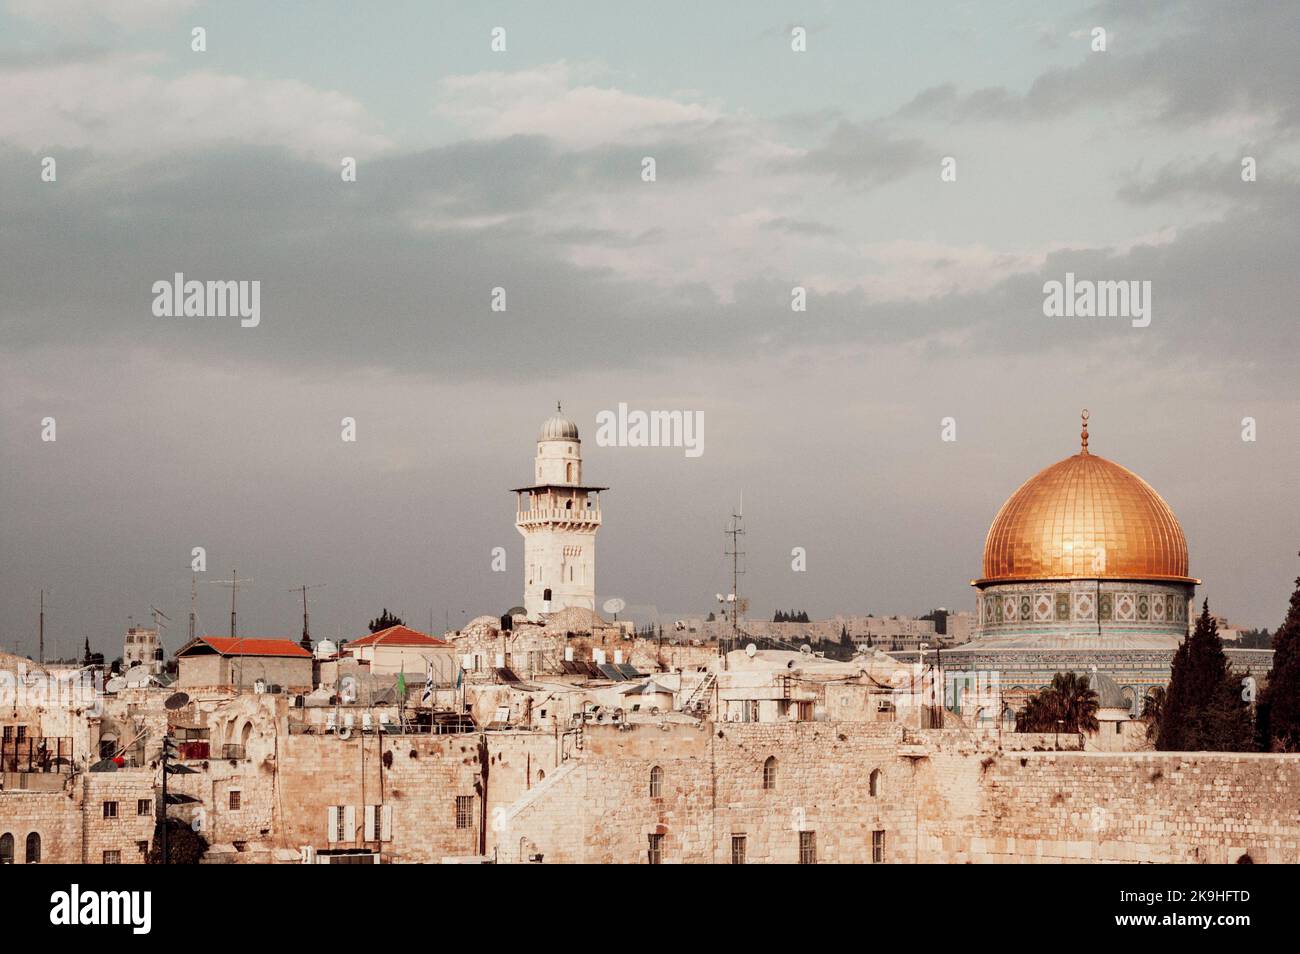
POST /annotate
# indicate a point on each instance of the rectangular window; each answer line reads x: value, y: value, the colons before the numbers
x: 655, y: 852
x: 144, y: 806
x: 464, y: 811
x: 341, y: 832
x: 110, y: 809
x: 877, y: 847
x: 807, y: 847
x: 112, y: 857
x: 737, y: 849
x: 22, y: 733
x: 9, y: 733
x: 236, y: 797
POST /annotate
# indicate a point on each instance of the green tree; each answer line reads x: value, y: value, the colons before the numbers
x: 1279, y: 703
x: 1151, y: 709
x: 1204, y: 708
x: 385, y: 620
x: 1068, y: 704
x: 185, y: 846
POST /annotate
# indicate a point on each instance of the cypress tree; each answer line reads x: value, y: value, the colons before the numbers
x: 1204, y: 707
x: 1281, y: 697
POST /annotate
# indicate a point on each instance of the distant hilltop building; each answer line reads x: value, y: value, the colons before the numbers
x: 142, y: 648
x: 558, y: 516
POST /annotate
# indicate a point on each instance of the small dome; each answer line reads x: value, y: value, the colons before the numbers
x: 1109, y: 694
x: 558, y: 428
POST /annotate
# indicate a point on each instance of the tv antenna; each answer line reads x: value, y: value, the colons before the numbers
x: 194, y: 598
x: 41, y: 633
x: 233, y: 583
x: 306, y: 626
x: 159, y: 627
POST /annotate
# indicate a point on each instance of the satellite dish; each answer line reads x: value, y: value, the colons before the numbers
x: 806, y: 649
x: 177, y: 700
x: 116, y: 684
x: 614, y: 606
x: 751, y: 650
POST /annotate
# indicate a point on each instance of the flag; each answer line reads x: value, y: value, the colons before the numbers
x: 428, y: 681
x: 459, y: 674
x: 401, y: 684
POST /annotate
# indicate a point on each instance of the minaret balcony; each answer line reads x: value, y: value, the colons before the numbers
x: 588, y: 515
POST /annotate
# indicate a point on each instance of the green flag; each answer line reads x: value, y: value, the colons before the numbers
x: 401, y: 684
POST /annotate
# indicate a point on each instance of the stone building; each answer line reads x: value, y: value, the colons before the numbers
x: 244, y: 663
x: 142, y: 648
x: 399, y: 649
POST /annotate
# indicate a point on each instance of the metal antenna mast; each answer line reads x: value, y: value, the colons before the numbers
x: 41, y: 638
x: 736, y: 531
x: 194, y: 596
x: 306, y: 626
x: 233, y: 583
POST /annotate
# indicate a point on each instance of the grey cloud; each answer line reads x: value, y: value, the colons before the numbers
x: 861, y: 154
x: 1211, y: 60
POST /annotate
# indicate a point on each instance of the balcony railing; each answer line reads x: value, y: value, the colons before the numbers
x: 576, y: 515
x: 36, y: 754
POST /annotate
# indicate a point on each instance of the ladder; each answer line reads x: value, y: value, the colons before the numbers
x: 698, y: 701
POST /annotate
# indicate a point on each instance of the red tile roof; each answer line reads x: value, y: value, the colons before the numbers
x: 241, y: 646
x: 397, y: 636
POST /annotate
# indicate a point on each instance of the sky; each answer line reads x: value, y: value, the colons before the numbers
x: 522, y: 169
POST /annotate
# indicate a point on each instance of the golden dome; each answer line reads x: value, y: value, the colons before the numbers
x: 1085, y: 518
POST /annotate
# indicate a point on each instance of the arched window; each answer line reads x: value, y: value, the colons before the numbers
x: 874, y: 783
x: 656, y: 782
x: 33, y: 848
x: 769, y: 772
x: 572, y: 475
x: 546, y: 594
x: 6, y: 849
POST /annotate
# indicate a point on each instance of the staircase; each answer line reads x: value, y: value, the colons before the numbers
x: 697, y: 704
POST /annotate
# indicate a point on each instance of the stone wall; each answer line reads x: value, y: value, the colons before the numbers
x: 125, y: 832
x: 712, y: 790
x: 1098, y: 806
x: 942, y: 796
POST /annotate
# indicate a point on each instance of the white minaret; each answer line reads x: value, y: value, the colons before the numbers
x: 558, y: 517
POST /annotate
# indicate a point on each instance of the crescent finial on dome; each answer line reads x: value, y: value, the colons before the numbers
x: 1083, y: 435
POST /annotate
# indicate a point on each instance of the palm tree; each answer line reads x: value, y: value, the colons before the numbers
x: 1069, y: 704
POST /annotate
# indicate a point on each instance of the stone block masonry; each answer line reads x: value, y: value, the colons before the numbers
x: 877, y: 793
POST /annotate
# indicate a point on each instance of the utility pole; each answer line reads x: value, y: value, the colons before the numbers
x: 306, y: 626
x: 41, y: 650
